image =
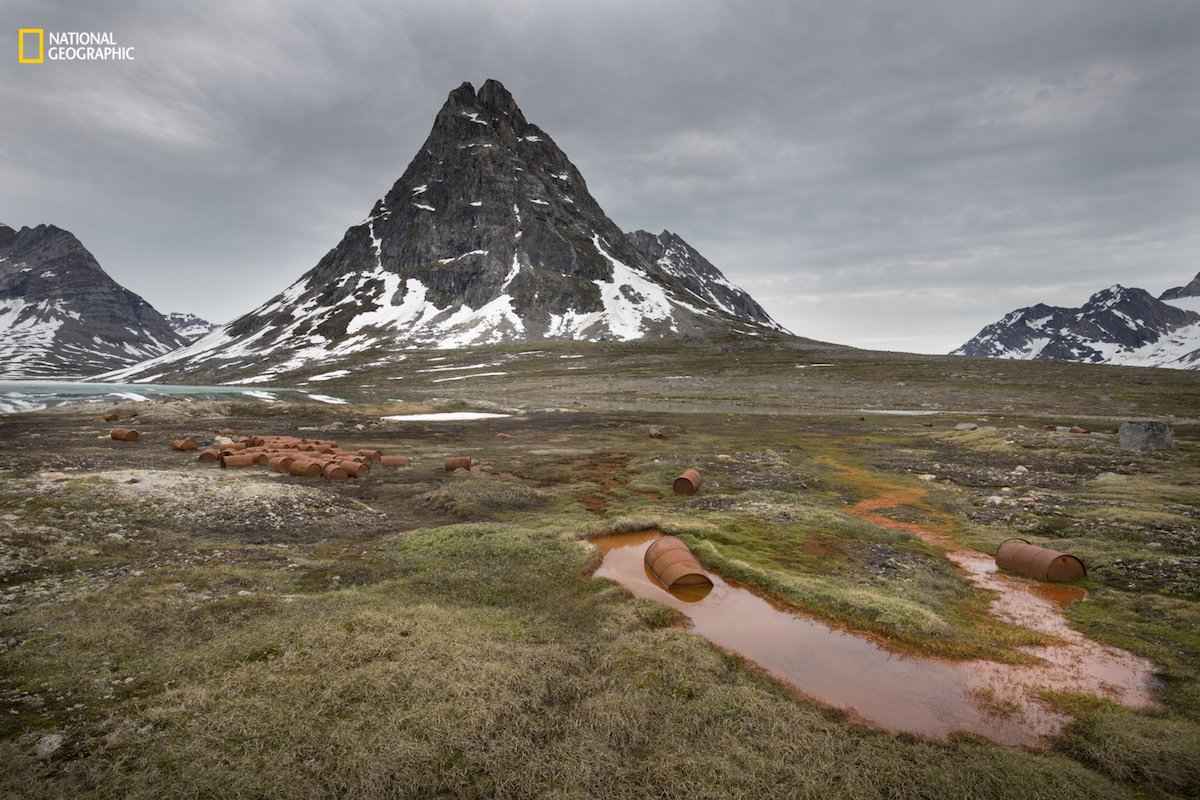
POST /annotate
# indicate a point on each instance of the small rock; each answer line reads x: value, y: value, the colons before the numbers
x: 49, y: 744
x: 995, y: 500
x: 1020, y: 469
x: 1079, y: 429
x: 656, y: 432
x: 245, y: 593
x: 927, y: 477
x: 966, y: 426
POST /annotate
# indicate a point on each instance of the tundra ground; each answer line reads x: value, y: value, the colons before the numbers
x: 169, y: 629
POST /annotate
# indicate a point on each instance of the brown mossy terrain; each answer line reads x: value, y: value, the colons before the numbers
x: 168, y: 628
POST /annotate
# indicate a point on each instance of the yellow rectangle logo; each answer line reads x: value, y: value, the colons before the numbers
x: 23, y: 55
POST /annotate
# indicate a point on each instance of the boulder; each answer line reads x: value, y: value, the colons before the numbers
x: 1145, y: 436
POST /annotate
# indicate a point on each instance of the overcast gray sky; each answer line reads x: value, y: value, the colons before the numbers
x: 884, y: 174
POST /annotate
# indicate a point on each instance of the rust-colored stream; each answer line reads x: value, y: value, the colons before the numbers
x: 924, y: 696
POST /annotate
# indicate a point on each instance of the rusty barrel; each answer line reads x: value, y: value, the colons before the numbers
x: 304, y: 468
x: 355, y: 468
x: 211, y: 454
x: 688, y: 482
x: 1039, y: 563
x: 336, y: 471
x: 280, y: 463
x: 371, y: 455
x: 238, y: 460
x: 671, y: 562
x: 458, y: 462
x: 186, y: 443
x: 394, y: 461
x: 124, y: 435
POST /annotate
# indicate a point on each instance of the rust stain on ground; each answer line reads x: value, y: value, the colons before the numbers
x: 903, y: 692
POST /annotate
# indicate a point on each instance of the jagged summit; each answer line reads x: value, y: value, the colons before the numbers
x: 62, y: 315
x: 1117, y: 325
x: 490, y: 235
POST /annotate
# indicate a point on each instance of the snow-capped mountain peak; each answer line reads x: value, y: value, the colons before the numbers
x: 1118, y: 325
x: 61, y: 315
x: 490, y: 235
x: 189, y: 326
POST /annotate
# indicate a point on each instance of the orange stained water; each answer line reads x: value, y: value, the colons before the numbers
x: 903, y: 693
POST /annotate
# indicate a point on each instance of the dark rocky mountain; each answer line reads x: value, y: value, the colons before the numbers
x: 189, y: 326
x: 61, y: 315
x: 490, y: 235
x: 1118, y: 325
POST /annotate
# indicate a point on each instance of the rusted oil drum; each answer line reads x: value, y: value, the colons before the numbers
x: 261, y: 458
x: 238, y: 460
x: 672, y: 564
x: 458, y: 462
x: 394, y: 461
x: 335, y: 471
x: 211, y: 454
x: 304, y: 468
x: 124, y: 435
x: 184, y: 444
x: 1039, y: 563
x: 371, y: 455
x: 281, y: 462
x: 355, y: 468
x: 688, y: 482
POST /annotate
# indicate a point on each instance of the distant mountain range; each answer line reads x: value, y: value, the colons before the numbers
x: 1121, y: 326
x: 61, y: 315
x: 189, y: 326
x: 490, y: 235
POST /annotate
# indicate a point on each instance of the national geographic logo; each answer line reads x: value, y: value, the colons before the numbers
x: 36, y: 46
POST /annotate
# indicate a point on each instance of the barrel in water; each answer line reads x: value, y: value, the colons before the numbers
x: 1039, y: 563
x: 672, y: 564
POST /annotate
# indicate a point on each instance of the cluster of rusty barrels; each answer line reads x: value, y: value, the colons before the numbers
x: 293, y: 455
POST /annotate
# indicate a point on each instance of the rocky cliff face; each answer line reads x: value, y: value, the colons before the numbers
x: 61, y: 315
x: 1118, y: 325
x: 490, y: 235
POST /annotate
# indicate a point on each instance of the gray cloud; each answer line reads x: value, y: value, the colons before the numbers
x: 882, y: 174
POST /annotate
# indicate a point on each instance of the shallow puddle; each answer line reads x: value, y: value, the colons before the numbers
x: 901, y: 693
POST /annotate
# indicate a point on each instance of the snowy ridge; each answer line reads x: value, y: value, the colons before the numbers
x: 61, y: 315
x: 476, y: 243
x: 1118, y: 325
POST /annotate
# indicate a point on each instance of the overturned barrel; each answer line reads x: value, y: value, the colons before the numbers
x: 394, y: 461
x: 124, y: 435
x: 336, y: 471
x: 688, y: 482
x: 1039, y: 563
x: 210, y: 454
x: 458, y: 462
x: 671, y: 562
x: 280, y: 463
x: 184, y: 444
x: 305, y: 468
x: 237, y: 460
